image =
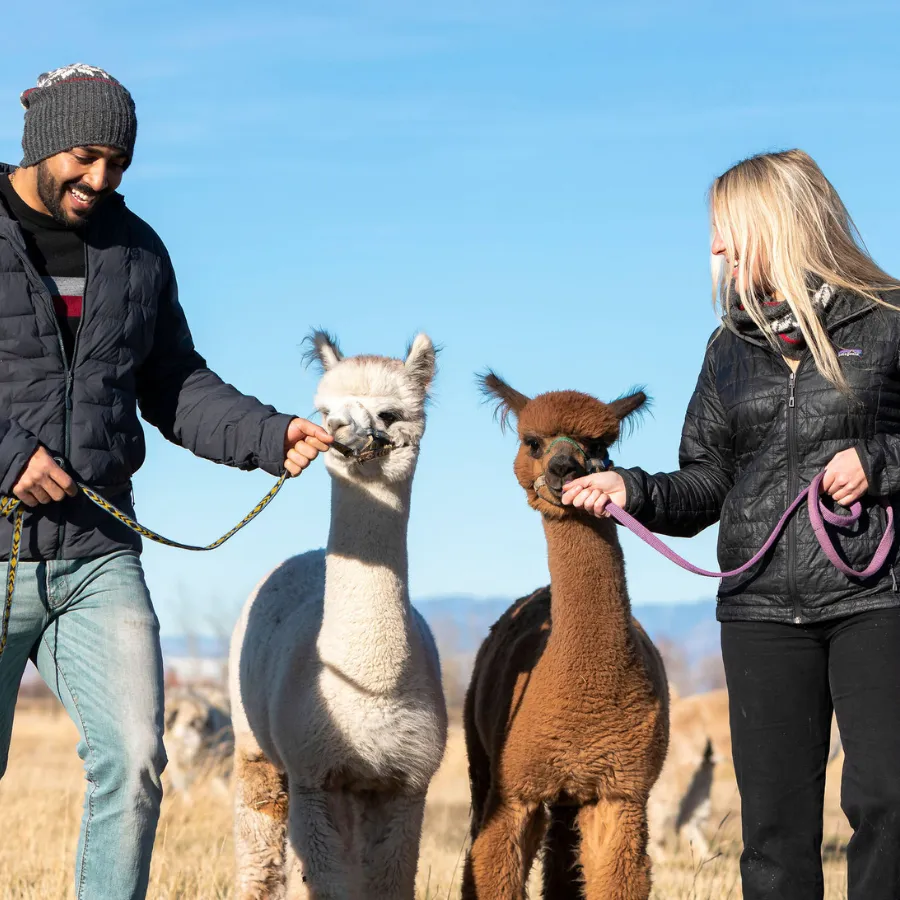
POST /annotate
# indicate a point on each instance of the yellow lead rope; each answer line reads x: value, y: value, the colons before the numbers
x: 12, y: 506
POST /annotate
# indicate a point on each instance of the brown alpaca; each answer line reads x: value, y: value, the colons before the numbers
x: 566, y: 715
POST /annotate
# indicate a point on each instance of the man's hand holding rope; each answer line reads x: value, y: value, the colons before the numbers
x: 43, y: 481
x: 303, y: 442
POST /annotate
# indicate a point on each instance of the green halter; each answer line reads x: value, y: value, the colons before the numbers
x: 591, y: 464
x: 565, y: 440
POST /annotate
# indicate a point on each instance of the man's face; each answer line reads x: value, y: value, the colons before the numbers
x: 73, y: 183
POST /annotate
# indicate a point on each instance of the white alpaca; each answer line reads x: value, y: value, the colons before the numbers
x: 339, y: 715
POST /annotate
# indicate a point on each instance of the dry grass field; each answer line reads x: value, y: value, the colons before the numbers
x: 41, y: 799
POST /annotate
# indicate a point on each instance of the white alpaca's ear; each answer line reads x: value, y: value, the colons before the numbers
x: 421, y: 360
x: 324, y: 349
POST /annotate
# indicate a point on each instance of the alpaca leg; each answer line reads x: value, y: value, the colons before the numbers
x: 692, y: 834
x: 260, y: 815
x: 501, y: 855
x: 614, y: 860
x: 562, y: 873
x: 323, y: 866
x: 392, y: 829
x: 345, y: 818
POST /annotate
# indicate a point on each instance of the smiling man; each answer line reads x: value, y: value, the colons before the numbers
x: 91, y: 330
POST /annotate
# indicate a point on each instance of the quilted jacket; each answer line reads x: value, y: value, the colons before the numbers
x: 133, y: 348
x: 754, y: 435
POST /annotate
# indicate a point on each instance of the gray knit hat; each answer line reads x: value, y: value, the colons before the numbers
x: 77, y: 106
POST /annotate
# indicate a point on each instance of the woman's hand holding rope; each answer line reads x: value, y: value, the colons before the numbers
x: 845, y: 482
x: 592, y: 492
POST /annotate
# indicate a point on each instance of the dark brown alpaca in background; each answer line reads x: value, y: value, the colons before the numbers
x: 566, y: 715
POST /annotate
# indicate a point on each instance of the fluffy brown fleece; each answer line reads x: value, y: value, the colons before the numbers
x: 566, y: 715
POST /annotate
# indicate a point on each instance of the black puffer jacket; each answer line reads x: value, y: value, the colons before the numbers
x: 133, y: 347
x: 755, y: 435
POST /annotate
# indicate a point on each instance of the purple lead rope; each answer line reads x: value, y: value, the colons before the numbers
x: 819, y: 514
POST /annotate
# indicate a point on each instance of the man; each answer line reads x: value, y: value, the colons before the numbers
x: 90, y: 330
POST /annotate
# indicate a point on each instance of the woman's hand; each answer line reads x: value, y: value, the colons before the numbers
x: 845, y: 481
x: 592, y: 492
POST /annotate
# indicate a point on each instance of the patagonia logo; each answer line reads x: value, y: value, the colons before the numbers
x: 853, y: 352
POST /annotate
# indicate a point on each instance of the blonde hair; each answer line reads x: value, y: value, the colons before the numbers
x: 783, y: 220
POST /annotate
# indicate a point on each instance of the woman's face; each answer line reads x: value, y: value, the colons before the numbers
x: 719, y: 249
x: 734, y: 266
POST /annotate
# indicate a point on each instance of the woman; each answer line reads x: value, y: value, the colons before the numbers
x: 803, y: 376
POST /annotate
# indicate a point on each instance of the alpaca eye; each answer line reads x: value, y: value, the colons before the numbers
x: 533, y: 445
x: 389, y: 418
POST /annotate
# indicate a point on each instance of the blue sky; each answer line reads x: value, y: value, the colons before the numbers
x: 524, y: 181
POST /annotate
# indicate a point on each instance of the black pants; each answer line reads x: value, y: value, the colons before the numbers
x: 783, y: 682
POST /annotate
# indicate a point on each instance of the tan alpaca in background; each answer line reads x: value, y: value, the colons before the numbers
x: 339, y: 714
x: 199, y: 739
x: 696, y: 795
x: 566, y: 715
x: 681, y: 800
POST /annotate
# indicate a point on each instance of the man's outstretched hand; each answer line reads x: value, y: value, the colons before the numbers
x: 303, y: 442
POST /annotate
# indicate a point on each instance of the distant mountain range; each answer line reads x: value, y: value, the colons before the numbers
x: 692, y: 626
x: 461, y: 622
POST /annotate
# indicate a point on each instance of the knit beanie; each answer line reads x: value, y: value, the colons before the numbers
x: 77, y: 106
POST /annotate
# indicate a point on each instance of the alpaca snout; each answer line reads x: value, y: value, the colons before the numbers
x: 357, y: 439
x: 350, y: 434
x: 355, y: 427
x: 563, y: 467
x: 346, y: 439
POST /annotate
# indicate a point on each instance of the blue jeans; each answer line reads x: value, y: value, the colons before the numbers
x: 90, y: 628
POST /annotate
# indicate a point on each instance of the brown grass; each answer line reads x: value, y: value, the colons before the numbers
x: 41, y: 797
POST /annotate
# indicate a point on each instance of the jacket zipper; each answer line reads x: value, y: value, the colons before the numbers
x: 792, y: 492
x: 70, y: 383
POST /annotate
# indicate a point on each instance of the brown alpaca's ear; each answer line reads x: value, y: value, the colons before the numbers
x: 323, y: 349
x: 509, y: 402
x: 421, y: 360
x: 635, y: 402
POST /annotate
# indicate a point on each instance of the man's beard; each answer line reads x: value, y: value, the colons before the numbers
x: 51, y: 191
